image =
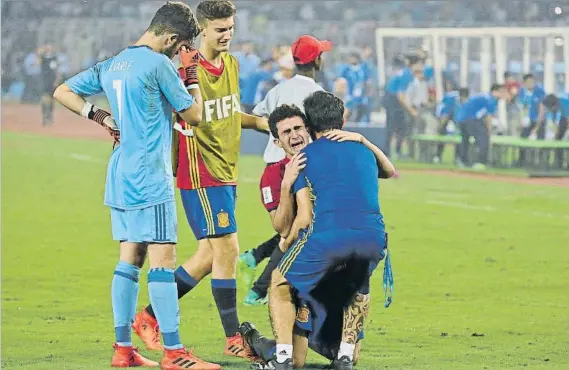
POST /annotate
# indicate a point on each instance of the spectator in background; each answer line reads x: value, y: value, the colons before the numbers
x: 531, y: 97
x: 475, y: 117
x: 370, y: 67
x: 446, y: 111
x: 248, y: 62
x: 512, y: 86
x: 32, y: 71
x: 50, y: 78
x: 558, y: 107
x: 396, y: 103
x: 428, y: 70
x: 355, y: 74
x: 341, y: 91
x: 253, y: 82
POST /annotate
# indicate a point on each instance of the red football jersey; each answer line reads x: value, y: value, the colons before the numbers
x: 204, y: 177
x: 271, y: 184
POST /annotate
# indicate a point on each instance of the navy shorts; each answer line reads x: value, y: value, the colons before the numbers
x: 210, y: 211
x: 314, y: 256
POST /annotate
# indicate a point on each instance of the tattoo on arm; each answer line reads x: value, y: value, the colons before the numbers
x: 354, y: 316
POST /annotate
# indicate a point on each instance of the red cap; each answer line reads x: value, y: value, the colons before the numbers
x: 307, y: 48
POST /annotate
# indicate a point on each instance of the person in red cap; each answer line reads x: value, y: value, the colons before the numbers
x: 306, y: 53
x: 308, y: 49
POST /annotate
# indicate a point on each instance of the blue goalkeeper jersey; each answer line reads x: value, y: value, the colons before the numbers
x: 142, y: 87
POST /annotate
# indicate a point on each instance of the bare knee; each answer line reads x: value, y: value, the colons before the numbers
x: 162, y: 255
x: 226, y: 247
x: 133, y: 253
x: 277, y: 278
x: 199, y: 265
x: 225, y: 255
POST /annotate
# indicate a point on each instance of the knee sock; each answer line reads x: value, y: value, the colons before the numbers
x: 124, y: 293
x: 225, y: 295
x: 185, y: 283
x: 164, y: 299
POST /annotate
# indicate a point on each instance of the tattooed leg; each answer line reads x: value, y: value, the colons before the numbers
x: 354, y: 317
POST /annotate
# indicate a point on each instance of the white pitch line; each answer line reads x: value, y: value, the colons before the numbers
x: 462, y: 205
x: 86, y: 158
x: 494, y: 209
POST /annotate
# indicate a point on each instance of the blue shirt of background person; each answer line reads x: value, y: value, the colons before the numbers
x: 564, y: 106
x: 557, y: 107
x: 399, y: 82
x: 429, y: 73
x: 355, y: 74
x: 477, y: 107
x: 252, y: 82
x: 448, y: 104
x: 142, y: 87
x: 248, y: 63
x: 531, y: 96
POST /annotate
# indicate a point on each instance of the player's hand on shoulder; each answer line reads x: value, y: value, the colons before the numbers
x: 341, y: 135
x: 293, y: 168
x: 190, y: 58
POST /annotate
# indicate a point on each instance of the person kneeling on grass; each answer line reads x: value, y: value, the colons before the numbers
x: 338, y: 226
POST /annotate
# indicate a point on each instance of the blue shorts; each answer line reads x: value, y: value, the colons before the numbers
x: 211, y: 211
x: 155, y: 224
x: 327, y: 269
x: 315, y: 256
x: 323, y: 321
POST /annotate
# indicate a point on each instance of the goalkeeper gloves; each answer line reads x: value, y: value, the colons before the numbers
x: 103, y: 118
x: 190, y: 59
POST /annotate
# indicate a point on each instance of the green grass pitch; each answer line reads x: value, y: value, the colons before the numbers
x: 481, y: 268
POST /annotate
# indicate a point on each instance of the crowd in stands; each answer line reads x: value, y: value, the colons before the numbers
x: 76, y: 30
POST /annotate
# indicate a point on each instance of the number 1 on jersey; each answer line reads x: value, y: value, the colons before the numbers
x: 117, y: 86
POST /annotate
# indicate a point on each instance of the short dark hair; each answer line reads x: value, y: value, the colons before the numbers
x: 413, y: 59
x: 281, y: 113
x: 175, y: 17
x: 527, y: 76
x: 306, y: 67
x: 496, y: 87
x: 508, y: 74
x: 210, y: 10
x: 550, y: 101
x: 463, y: 92
x: 324, y: 111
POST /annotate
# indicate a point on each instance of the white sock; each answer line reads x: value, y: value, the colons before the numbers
x: 346, y: 349
x: 284, y: 352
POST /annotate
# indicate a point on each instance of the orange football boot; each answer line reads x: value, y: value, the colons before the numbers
x: 147, y: 329
x: 180, y: 359
x: 129, y: 357
x: 238, y: 347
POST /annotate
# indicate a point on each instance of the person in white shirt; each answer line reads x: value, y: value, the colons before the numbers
x: 307, y: 55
